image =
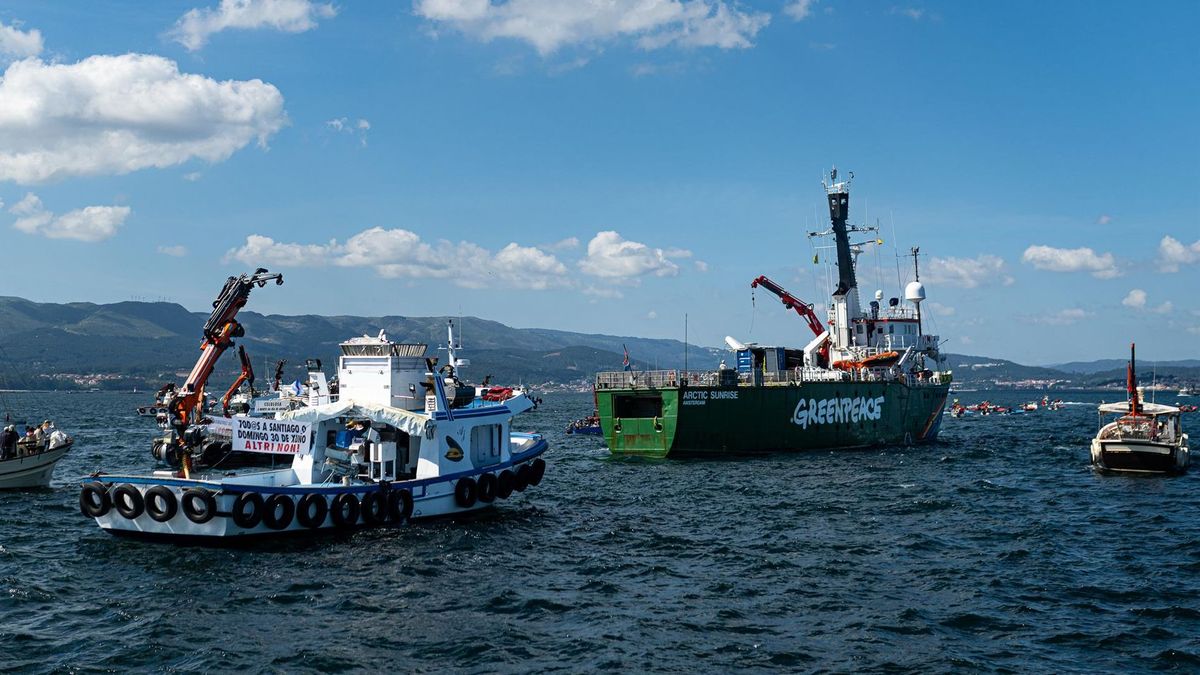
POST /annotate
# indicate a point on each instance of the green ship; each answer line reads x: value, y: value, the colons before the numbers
x: 867, y: 378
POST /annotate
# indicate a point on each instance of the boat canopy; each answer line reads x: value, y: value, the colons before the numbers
x: 409, y: 422
x: 1147, y: 409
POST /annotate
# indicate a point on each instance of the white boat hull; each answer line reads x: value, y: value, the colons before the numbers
x: 1138, y: 456
x: 32, y: 470
x: 431, y: 498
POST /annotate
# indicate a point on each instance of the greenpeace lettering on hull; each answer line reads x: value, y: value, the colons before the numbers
x: 837, y: 410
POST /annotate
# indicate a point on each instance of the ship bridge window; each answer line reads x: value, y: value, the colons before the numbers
x: 637, y: 406
x: 859, y: 329
x: 891, y: 328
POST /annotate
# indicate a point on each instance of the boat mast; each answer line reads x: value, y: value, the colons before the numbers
x: 916, y: 250
x: 845, y: 296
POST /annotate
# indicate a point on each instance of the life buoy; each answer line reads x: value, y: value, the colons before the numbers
x: 344, y: 510
x: 504, y: 484
x: 537, y: 470
x: 400, y: 506
x: 374, y: 507
x: 311, y: 510
x: 94, y: 501
x: 522, y: 481
x: 247, y: 518
x: 161, y: 504
x: 128, y: 501
x: 487, y: 488
x: 465, y: 492
x: 279, y: 511
x: 206, y: 510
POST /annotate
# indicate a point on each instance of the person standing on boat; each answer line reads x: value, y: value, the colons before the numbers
x: 8, y: 442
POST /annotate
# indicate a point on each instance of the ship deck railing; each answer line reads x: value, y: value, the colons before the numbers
x: 659, y: 379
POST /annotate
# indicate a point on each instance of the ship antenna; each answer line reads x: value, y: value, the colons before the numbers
x: 896, y: 251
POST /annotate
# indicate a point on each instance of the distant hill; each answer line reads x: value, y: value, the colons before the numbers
x: 144, y: 344
x: 1102, y: 365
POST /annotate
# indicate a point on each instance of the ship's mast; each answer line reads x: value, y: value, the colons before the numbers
x: 916, y: 250
x: 845, y: 296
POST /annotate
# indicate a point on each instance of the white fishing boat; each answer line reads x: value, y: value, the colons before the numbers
x: 29, y: 464
x: 397, y: 445
x: 1144, y: 438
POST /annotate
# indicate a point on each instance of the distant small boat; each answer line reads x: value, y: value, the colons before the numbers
x: 1146, y: 438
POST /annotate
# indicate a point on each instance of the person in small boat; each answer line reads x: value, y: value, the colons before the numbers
x: 8, y: 442
x: 29, y: 442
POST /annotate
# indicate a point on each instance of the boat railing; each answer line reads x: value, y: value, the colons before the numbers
x: 657, y: 379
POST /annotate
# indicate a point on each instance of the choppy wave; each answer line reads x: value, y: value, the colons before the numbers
x: 995, y: 549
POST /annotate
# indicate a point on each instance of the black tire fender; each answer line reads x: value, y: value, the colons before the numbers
x: 94, y: 501
x: 128, y: 501
x: 400, y: 506
x: 344, y: 509
x: 207, y: 501
x: 375, y: 507
x: 161, y: 504
x: 524, y: 473
x: 504, y: 484
x: 279, y: 511
x: 248, y: 519
x: 538, y: 470
x: 305, y: 513
x: 465, y: 492
x: 487, y: 488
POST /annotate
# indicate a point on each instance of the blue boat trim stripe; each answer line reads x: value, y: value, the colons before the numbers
x: 539, y: 448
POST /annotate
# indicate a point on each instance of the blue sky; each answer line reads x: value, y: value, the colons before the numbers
x: 609, y: 167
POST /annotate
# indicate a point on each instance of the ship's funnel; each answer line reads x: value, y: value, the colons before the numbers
x: 734, y: 344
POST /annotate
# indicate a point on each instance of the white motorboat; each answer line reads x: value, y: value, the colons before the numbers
x: 27, y: 466
x: 1145, y: 437
x: 397, y: 445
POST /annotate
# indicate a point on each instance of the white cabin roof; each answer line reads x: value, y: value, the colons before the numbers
x: 1150, y: 409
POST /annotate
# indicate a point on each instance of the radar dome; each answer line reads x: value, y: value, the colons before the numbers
x: 914, y: 292
x: 878, y: 295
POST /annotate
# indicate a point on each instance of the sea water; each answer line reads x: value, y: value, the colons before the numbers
x: 997, y: 548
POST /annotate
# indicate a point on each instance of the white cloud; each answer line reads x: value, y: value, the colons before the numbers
x: 176, y: 251
x: 940, y: 310
x: 193, y: 29
x: 1065, y: 317
x: 603, y: 292
x: 652, y: 315
x: 192, y: 176
x: 15, y: 43
x: 549, y: 25
x: 1173, y: 253
x: 1101, y: 266
x: 914, y: 13
x: 91, y: 223
x: 799, y: 10
x: 399, y: 253
x: 358, y: 127
x: 968, y: 272
x: 1104, y: 219
x: 117, y: 114
x: 1136, y: 299
x: 612, y: 257
x: 563, y: 244
x: 701, y: 266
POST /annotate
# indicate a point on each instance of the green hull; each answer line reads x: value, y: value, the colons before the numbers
x: 682, y: 421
